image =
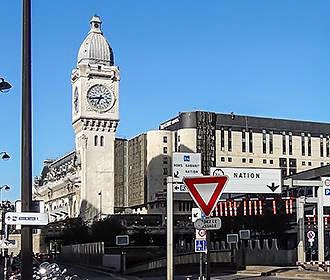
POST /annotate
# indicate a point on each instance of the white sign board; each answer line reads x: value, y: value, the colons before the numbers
x: 26, y: 218
x: 36, y: 206
x: 186, y: 165
x: 8, y: 244
x: 326, y: 191
x: 210, y: 223
x: 201, y: 234
x: 196, y: 213
x: 250, y: 180
x: 232, y: 238
x: 244, y: 234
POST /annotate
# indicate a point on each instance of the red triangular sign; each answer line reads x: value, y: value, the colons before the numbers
x: 206, y: 191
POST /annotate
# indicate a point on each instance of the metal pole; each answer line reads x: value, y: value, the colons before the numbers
x: 169, y: 228
x: 208, y: 257
x: 200, y: 266
x: 26, y: 152
x: 301, y: 229
x: 320, y: 224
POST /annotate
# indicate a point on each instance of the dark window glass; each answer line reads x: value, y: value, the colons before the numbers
x: 271, y: 161
x: 303, y: 144
x: 164, y: 139
x: 243, y: 141
x: 303, y: 163
x: 327, y: 147
x: 165, y: 150
x: 283, y: 143
x: 271, y: 142
x: 264, y: 161
x: 175, y: 141
x: 102, y: 141
x: 229, y: 159
x: 321, y: 146
x: 222, y: 138
x: 244, y: 160
x: 290, y: 143
x: 229, y: 140
x: 96, y: 138
x: 309, y: 145
x: 250, y: 141
x: 250, y: 160
x: 264, y: 141
x: 222, y: 159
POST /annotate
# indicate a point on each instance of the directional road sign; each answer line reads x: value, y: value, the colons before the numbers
x: 186, y: 164
x: 122, y: 240
x: 206, y: 191
x: 208, y: 224
x: 26, y: 218
x: 195, y: 214
x: 179, y: 187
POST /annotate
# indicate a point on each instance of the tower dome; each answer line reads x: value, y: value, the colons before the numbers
x: 95, y: 49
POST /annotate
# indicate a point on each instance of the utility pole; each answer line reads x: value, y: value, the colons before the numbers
x: 26, y: 151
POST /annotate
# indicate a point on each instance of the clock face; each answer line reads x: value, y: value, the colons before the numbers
x: 100, y: 98
x: 75, y: 100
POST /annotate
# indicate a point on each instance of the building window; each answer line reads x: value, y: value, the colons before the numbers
x: 165, y: 171
x: 165, y: 181
x: 164, y: 139
x: 175, y: 141
x: 309, y: 163
x: 303, y: 163
x: 327, y: 147
x: 271, y: 161
x: 283, y: 143
x: 222, y: 159
x: 250, y: 160
x: 271, y: 142
x: 243, y: 141
x: 321, y: 146
x: 222, y: 138
x: 250, y: 141
x: 264, y: 141
x: 264, y: 161
x: 229, y: 159
x: 244, y: 160
x: 302, y: 144
x: 309, y: 145
x: 322, y: 163
x: 165, y: 150
x: 290, y: 143
x: 102, y: 141
x: 165, y: 160
x: 229, y: 140
x: 96, y: 138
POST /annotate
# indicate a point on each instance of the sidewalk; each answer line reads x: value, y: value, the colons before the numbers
x: 291, y: 272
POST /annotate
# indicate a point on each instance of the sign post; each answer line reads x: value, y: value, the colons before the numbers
x: 206, y: 191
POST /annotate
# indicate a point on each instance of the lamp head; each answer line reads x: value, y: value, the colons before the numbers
x: 5, y: 156
x: 4, y: 86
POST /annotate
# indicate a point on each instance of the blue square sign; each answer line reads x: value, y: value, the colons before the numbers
x: 327, y: 191
x: 200, y: 246
x: 186, y: 158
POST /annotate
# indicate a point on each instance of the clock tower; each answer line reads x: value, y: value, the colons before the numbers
x: 95, y: 117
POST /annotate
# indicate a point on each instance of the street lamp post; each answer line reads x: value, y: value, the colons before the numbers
x: 26, y: 146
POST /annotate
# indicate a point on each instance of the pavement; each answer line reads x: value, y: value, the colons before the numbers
x: 291, y: 272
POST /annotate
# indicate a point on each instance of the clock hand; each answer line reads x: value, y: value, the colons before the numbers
x: 100, y: 97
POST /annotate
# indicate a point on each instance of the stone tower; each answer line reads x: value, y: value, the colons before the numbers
x: 95, y: 117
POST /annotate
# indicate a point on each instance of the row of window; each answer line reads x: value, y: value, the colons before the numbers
x: 286, y: 147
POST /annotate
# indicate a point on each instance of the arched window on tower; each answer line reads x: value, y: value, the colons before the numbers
x: 102, y: 141
x: 96, y: 138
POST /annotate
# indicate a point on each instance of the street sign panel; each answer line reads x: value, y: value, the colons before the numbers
x: 186, y: 164
x: 232, y: 238
x: 201, y: 234
x: 250, y: 180
x: 26, y: 218
x: 326, y: 191
x: 244, y: 234
x: 179, y: 187
x: 122, y: 240
x: 195, y: 214
x: 200, y: 246
x: 208, y: 224
x: 206, y: 191
x: 8, y: 244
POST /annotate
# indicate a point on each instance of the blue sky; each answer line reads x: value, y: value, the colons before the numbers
x: 263, y: 58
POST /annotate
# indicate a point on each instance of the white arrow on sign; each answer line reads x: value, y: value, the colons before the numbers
x: 8, y: 244
x: 26, y: 218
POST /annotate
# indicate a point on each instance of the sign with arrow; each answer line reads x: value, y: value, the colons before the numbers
x: 251, y: 180
x: 206, y: 191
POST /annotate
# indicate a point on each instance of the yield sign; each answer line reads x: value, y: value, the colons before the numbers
x: 206, y: 191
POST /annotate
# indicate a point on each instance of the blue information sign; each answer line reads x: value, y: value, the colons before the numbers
x: 200, y: 246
